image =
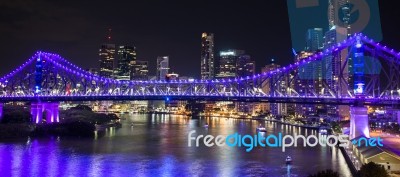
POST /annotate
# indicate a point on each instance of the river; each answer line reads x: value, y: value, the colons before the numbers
x: 157, y: 145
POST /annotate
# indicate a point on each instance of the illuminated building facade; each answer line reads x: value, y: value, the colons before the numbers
x: 107, y: 57
x: 162, y: 67
x: 125, y: 55
x: 227, y: 63
x: 139, y: 70
x: 207, y: 56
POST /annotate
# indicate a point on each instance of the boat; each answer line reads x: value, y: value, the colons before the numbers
x: 288, y: 160
x: 261, y: 129
x: 134, y: 111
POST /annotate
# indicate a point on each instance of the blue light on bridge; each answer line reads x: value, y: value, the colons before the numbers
x: 37, y: 89
x: 38, y: 74
x: 359, y: 67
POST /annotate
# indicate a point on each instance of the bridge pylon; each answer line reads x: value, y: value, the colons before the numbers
x: 359, y: 124
x: 50, y: 109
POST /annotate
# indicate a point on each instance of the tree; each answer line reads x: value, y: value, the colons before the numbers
x: 15, y: 114
x: 325, y: 173
x: 372, y: 169
x: 82, y: 107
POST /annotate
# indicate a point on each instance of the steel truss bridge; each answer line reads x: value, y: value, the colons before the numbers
x: 48, y: 77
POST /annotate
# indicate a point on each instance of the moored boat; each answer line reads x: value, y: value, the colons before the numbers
x: 288, y: 160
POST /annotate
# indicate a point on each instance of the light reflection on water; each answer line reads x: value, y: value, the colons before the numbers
x: 156, y: 145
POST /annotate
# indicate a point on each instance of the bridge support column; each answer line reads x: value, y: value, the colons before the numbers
x: 359, y: 124
x: 1, y: 111
x: 52, y: 114
x: 50, y: 109
x: 37, y: 112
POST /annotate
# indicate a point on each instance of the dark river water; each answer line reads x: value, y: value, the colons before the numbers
x: 157, y: 145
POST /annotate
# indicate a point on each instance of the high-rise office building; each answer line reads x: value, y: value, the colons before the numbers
x: 245, y: 66
x: 162, y: 67
x: 139, y: 70
x: 339, y: 29
x: 268, y: 86
x: 306, y: 82
x: 207, y: 56
x: 125, y: 55
x: 309, y: 78
x: 339, y: 14
x: 107, y: 57
x: 227, y: 63
x: 335, y: 68
x: 334, y: 64
x: 314, y: 39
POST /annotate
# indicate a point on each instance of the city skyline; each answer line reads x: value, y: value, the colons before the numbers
x: 181, y: 44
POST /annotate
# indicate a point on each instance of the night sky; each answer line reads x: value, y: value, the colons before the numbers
x: 76, y: 29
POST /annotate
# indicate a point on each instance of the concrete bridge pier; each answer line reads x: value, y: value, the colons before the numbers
x: 359, y: 125
x: 49, y: 109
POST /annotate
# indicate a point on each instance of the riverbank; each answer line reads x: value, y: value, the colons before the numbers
x: 271, y: 120
x: 348, y: 161
x: 79, y: 121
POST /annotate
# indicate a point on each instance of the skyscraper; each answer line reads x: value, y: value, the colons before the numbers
x: 139, y: 70
x: 306, y: 82
x: 312, y: 71
x: 339, y: 14
x: 107, y: 56
x: 335, y: 68
x: 245, y: 66
x: 125, y: 55
x: 314, y: 39
x: 162, y: 67
x: 333, y: 65
x: 227, y: 63
x: 207, y: 56
x: 269, y: 86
